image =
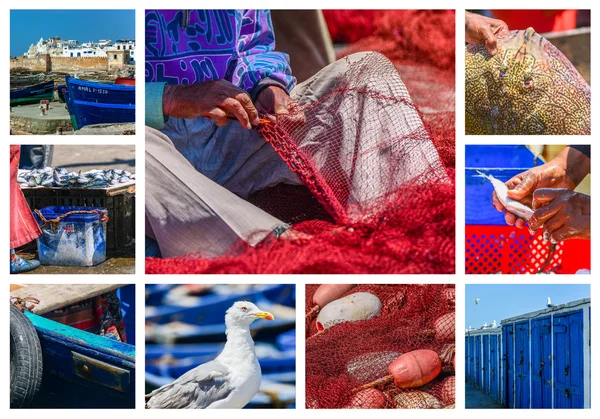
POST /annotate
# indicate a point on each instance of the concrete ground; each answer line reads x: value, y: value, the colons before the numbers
x: 115, y: 265
x: 477, y: 399
x: 88, y: 157
x: 56, y: 110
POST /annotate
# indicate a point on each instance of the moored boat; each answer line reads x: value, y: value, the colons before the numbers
x: 32, y: 94
x: 92, y: 103
x: 75, y: 368
x: 61, y: 89
x: 127, y: 81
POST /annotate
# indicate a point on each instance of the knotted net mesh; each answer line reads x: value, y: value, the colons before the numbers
x: 376, y: 158
x: 344, y: 361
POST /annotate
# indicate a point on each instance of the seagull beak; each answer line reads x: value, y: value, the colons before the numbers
x: 264, y: 315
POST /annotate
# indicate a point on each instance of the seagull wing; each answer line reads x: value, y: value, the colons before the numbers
x: 196, y: 389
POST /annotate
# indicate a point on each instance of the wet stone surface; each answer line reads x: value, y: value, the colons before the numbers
x: 121, y: 266
x: 477, y: 399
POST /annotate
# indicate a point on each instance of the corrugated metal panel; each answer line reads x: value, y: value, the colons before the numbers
x: 486, y: 364
x: 472, y: 359
x: 478, y: 361
x: 467, y: 364
x: 541, y: 363
x: 494, y: 371
x: 522, y: 377
x: 568, y: 360
x: 509, y: 362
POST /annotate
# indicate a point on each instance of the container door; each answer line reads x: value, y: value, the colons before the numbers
x: 467, y: 359
x: 522, y: 365
x: 478, y: 365
x: 568, y: 360
x: 541, y: 363
x: 509, y: 365
x: 494, y: 373
x: 486, y: 364
x: 472, y: 358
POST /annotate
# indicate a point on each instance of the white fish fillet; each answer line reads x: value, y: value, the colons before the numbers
x: 515, y: 207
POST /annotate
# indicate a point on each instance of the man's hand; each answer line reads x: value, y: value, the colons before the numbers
x: 562, y: 213
x: 214, y: 100
x: 521, y: 187
x: 273, y: 100
x: 481, y: 29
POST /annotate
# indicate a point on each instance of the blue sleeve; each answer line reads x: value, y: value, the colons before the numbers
x: 154, y: 109
x: 258, y: 63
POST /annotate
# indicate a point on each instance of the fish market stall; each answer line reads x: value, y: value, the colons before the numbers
x: 85, y: 216
x: 185, y: 328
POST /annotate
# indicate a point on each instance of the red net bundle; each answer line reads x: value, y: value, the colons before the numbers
x: 376, y: 157
x: 348, y: 363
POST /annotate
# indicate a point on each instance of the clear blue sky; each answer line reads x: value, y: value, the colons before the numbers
x: 498, y: 302
x: 28, y: 26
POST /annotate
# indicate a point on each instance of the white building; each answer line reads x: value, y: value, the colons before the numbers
x: 57, y: 47
x: 125, y: 45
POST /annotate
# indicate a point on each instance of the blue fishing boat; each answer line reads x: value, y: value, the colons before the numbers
x: 32, y: 94
x: 78, y: 369
x: 61, y: 89
x: 91, y: 103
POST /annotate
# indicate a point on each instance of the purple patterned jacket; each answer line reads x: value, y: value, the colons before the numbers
x: 193, y: 46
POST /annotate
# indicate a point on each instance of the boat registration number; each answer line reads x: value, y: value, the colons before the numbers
x: 93, y: 90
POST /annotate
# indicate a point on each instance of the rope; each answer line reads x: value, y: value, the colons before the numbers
x: 22, y: 303
x: 54, y: 222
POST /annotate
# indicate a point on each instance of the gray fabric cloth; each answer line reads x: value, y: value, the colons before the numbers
x: 198, y: 175
x: 187, y: 212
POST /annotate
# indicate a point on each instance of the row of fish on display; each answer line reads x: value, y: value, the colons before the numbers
x: 185, y: 328
x: 60, y: 177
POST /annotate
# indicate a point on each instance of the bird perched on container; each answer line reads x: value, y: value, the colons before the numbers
x: 229, y: 381
x: 549, y: 304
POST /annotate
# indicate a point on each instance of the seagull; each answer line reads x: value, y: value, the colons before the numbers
x: 494, y: 323
x: 476, y: 301
x: 229, y: 381
x: 549, y: 303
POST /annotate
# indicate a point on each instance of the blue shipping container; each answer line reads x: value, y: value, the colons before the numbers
x: 547, y: 358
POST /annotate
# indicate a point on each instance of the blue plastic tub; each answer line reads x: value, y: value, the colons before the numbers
x: 77, y: 240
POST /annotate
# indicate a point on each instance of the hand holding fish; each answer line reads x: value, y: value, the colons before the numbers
x: 212, y: 99
x: 562, y: 213
x: 522, y: 186
x: 566, y: 170
x: 481, y: 29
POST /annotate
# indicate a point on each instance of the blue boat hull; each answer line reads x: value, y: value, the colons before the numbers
x: 91, y: 103
x: 83, y: 370
x: 32, y: 94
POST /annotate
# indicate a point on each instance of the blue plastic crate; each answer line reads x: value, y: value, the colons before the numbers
x: 500, y: 156
x: 77, y: 240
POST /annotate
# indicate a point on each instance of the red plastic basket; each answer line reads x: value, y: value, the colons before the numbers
x: 509, y: 250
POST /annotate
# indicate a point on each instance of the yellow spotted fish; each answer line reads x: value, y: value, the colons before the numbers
x: 528, y: 87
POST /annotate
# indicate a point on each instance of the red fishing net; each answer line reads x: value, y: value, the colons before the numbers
x: 347, y: 363
x: 376, y: 156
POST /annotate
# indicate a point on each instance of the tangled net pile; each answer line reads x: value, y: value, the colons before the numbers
x: 347, y: 356
x: 376, y: 157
